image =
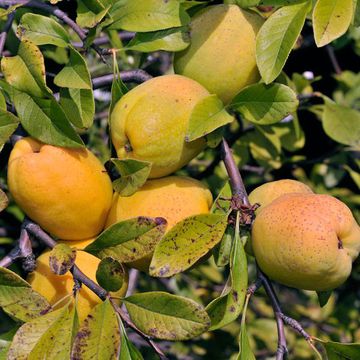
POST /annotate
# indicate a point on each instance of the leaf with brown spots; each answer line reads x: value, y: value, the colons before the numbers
x: 62, y: 259
x: 129, y: 240
x: 226, y: 308
x: 110, y: 274
x: 99, y: 335
x: 18, y: 299
x: 46, y: 337
x: 186, y: 243
x: 165, y: 316
x: 3, y: 198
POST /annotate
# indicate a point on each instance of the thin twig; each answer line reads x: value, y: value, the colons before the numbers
x: 333, y: 59
x: 282, y: 347
x: 137, y: 76
x: 5, y: 31
x: 103, y: 40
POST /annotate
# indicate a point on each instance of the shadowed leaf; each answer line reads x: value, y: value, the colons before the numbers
x: 8, y: 124
x: 339, y: 351
x: 110, y: 274
x: 186, y: 243
x: 18, y: 299
x: 265, y: 104
x: 165, y: 316
x: 128, y: 351
x: 61, y: 259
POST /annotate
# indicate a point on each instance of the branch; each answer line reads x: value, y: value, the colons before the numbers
x: 333, y: 59
x: 236, y: 182
x: 137, y: 76
x: 23, y: 250
x: 103, y: 40
x: 5, y: 31
x: 78, y: 275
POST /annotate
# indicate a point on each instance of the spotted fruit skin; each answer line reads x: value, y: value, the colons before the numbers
x: 221, y: 55
x: 306, y: 241
x: 149, y: 123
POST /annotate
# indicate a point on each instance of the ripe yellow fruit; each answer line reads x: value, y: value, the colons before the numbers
x: 268, y: 192
x: 149, y: 123
x: 173, y: 198
x: 221, y: 55
x: 306, y: 241
x: 65, y: 190
x: 55, y: 287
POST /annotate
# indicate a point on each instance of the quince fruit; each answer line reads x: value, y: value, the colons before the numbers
x: 55, y: 287
x: 173, y: 198
x: 306, y: 241
x: 65, y: 190
x: 221, y: 55
x: 149, y: 123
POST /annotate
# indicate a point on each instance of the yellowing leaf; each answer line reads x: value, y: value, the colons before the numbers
x: 331, y: 19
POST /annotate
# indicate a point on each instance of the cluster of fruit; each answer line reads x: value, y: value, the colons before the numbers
x: 299, y: 239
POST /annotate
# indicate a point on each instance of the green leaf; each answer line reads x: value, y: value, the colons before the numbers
x: 18, y: 299
x: 86, y: 17
x: 222, y: 251
x: 2, y: 102
x: 110, y: 274
x: 341, y: 124
x: 79, y: 106
x: 265, y: 104
x: 247, y: 3
x: 323, y: 297
x: 277, y: 37
x: 99, y: 335
x: 46, y: 337
x: 42, y: 30
x: 26, y: 70
x: 118, y: 88
x: 227, y: 308
x: 152, y: 15
x: 221, y: 205
x: 175, y: 39
x: 331, y: 19
x: 62, y: 259
x: 245, y: 352
x: 339, y: 351
x: 134, y: 174
x: 127, y: 350
x: 186, y: 242
x: 8, y: 124
x: 165, y: 316
x: 51, y: 125
x: 354, y: 175
x: 75, y: 74
x: 207, y: 115
x: 128, y: 240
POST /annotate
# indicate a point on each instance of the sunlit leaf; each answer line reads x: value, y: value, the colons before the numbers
x: 99, y: 335
x: 165, y: 316
x: 18, y: 299
x: 42, y: 30
x: 186, y: 243
x: 207, y: 115
x: 331, y: 19
x: 277, y: 37
x: 128, y: 240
